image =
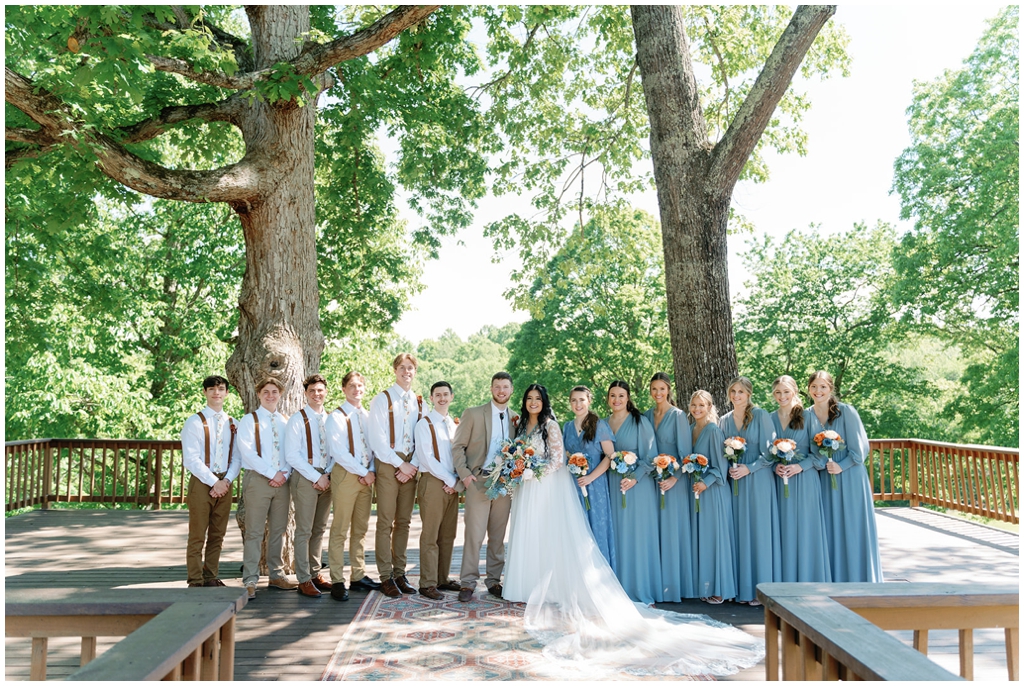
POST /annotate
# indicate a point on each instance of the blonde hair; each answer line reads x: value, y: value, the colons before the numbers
x: 796, y: 416
x: 744, y: 383
x: 402, y: 357
x: 269, y: 381
x: 713, y: 412
x: 833, y: 404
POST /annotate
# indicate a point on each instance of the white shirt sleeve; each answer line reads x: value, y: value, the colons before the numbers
x: 295, y: 447
x: 193, y: 450
x: 337, y: 444
x: 378, y: 434
x: 234, y: 460
x: 246, y: 447
x: 425, y: 453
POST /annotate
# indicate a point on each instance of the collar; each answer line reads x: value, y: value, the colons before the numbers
x: 310, y: 410
x: 495, y: 408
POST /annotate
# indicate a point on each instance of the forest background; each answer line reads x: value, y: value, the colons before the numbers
x: 116, y: 306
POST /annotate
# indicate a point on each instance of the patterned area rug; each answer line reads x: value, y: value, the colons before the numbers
x: 413, y: 638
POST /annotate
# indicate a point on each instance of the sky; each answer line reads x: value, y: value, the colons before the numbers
x: 856, y: 128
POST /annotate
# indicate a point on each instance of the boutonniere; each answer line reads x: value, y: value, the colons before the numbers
x: 515, y: 420
x: 456, y: 420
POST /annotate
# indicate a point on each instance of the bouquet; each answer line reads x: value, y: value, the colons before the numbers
x: 665, y: 467
x: 696, y: 466
x: 783, y: 451
x: 518, y: 462
x: 578, y: 466
x: 829, y: 443
x: 625, y: 464
x: 734, y: 449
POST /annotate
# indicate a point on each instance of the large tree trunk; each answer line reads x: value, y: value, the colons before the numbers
x: 279, y: 331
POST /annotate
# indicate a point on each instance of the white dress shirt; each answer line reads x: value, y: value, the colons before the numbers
x: 441, y: 465
x: 296, y: 454
x: 272, y: 428
x: 499, y: 432
x: 193, y: 447
x: 406, y: 412
x: 361, y: 463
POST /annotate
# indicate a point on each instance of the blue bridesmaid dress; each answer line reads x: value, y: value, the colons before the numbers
x: 678, y: 548
x: 849, y: 508
x: 599, y: 515
x: 712, y: 526
x: 801, y: 515
x: 636, y: 525
x: 755, y: 509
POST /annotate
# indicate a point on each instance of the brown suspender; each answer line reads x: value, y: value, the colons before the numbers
x: 351, y: 439
x: 309, y: 436
x: 256, y: 421
x: 433, y: 439
x: 391, y: 415
x: 231, y: 445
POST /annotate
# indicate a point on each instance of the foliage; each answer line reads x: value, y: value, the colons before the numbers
x: 597, y: 311
x: 959, y: 180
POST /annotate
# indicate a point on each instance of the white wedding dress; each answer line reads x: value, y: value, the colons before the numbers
x: 576, y: 607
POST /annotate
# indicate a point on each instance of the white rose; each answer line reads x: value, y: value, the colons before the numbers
x: 831, y: 434
x: 629, y: 458
x: 527, y: 475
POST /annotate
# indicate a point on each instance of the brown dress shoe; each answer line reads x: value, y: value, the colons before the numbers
x: 495, y: 590
x: 389, y: 588
x: 403, y: 585
x: 321, y: 583
x: 449, y: 586
x: 465, y: 594
x: 284, y: 584
x: 307, y: 588
x: 432, y: 593
x: 213, y: 582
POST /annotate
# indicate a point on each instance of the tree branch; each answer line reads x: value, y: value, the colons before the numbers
x: 227, y: 110
x: 232, y: 183
x: 736, y: 146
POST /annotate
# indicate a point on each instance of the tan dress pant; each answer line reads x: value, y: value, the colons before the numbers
x: 266, y: 508
x: 484, y: 516
x: 439, y: 512
x: 207, y: 523
x: 312, y: 508
x: 351, y: 521
x: 394, y: 517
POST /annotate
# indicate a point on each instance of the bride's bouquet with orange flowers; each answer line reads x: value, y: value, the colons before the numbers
x: 578, y: 466
x: 665, y: 467
x: 625, y: 463
x: 734, y: 449
x: 696, y: 466
x: 518, y: 463
x: 829, y: 443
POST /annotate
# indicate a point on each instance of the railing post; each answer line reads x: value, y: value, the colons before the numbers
x: 159, y: 478
x: 915, y: 498
x: 47, y: 474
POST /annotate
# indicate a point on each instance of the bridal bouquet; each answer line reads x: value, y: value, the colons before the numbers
x: 734, y: 449
x: 829, y: 443
x: 665, y: 467
x: 783, y: 451
x: 578, y: 466
x: 518, y: 462
x: 625, y: 464
x: 696, y: 466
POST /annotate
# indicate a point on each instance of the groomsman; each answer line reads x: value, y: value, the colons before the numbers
x: 265, y: 486
x: 351, y: 487
x: 208, y: 453
x: 393, y: 416
x: 474, y: 449
x: 439, y: 503
x: 305, y: 449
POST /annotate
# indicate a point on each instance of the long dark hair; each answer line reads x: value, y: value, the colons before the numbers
x: 833, y: 404
x: 662, y: 376
x: 542, y: 418
x: 619, y: 383
x: 590, y: 421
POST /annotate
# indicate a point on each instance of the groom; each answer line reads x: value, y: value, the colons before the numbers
x: 476, y: 444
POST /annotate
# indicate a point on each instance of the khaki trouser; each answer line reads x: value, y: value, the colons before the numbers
x: 439, y: 512
x: 266, y: 508
x: 312, y: 507
x: 484, y: 516
x: 207, y: 523
x: 394, y: 516
x: 351, y: 518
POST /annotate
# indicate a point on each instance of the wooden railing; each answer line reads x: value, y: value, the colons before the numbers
x: 170, y: 634
x: 976, y: 479
x: 829, y: 632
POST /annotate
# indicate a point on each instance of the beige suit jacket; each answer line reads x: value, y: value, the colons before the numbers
x: 472, y: 438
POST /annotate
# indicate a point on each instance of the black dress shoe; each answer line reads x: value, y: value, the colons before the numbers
x: 495, y: 590
x: 366, y: 583
x: 403, y: 585
x: 389, y: 588
x: 465, y: 594
x: 450, y: 586
x: 339, y: 592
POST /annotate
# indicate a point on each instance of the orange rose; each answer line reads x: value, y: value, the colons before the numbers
x: 701, y: 460
x: 516, y: 473
x: 528, y: 452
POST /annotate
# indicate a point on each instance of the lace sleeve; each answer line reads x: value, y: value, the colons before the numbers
x: 555, y: 448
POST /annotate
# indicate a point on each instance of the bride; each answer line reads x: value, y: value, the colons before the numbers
x: 574, y: 604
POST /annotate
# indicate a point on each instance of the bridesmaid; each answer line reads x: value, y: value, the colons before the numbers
x: 712, y: 527
x: 801, y: 516
x: 636, y: 525
x: 755, y: 509
x: 591, y: 435
x: 672, y: 437
x: 849, y: 508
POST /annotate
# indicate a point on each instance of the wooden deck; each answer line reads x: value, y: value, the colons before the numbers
x: 284, y: 636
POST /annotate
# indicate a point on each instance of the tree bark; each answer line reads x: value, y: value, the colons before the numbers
x: 695, y: 181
